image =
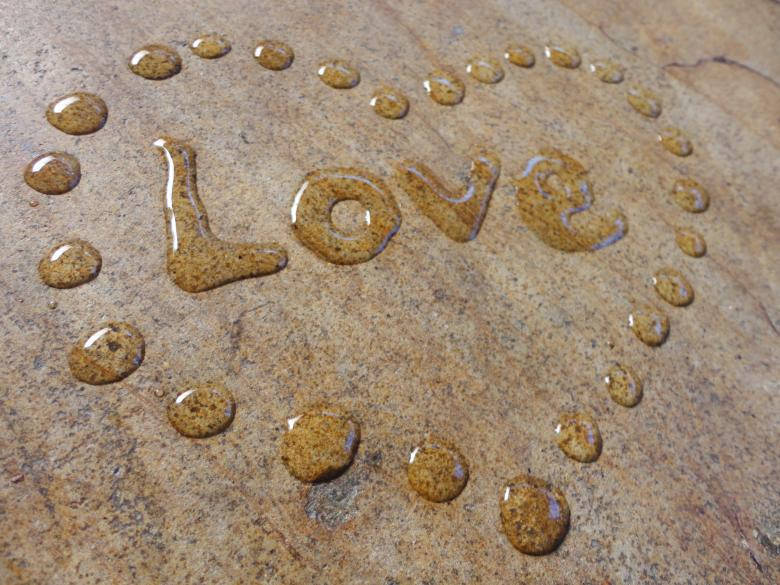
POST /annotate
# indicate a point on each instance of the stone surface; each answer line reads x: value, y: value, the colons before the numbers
x: 486, y: 341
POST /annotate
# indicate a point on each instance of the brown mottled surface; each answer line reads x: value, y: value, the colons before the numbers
x: 672, y: 286
x: 156, y: 62
x: 211, y: 46
x: 53, y: 173
x: 437, y: 470
x: 70, y: 264
x: 202, y: 411
x: 624, y: 386
x: 108, y: 353
x: 579, y: 437
x: 77, y: 113
x: 485, y: 342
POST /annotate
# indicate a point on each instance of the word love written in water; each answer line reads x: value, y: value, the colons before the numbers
x: 554, y: 199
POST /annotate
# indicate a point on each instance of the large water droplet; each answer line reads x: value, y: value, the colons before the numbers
x: 319, y: 444
x: 520, y: 55
x: 624, y: 385
x: 70, y: 264
x: 675, y: 141
x: 690, y: 242
x: 673, y: 287
x: 644, y: 101
x: 210, y: 46
x: 578, y: 436
x: 196, y: 259
x: 649, y: 324
x: 53, y: 173
x: 690, y: 195
x: 274, y: 55
x: 155, y: 62
x: 77, y: 113
x: 338, y: 74
x: 202, y: 410
x: 389, y: 102
x: 563, y: 56
x: 437, y: 470
x: 534, y: 515
x: 444, y: 88
x: 607, y: 70
x: 485, y: 69
x: 110, y: 354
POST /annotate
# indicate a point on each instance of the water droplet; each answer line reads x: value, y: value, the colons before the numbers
x: 53, y: 173
x: 520, y: 55
x: 690, y: 242
x: 389, y: 102
x: 159, y: 392
x: 534, y: 514
x: 649, y: 324
x: 110, y: 354
x: 202, y: 411
x: 274, y: 55
x: 552, y: 192
x: 313, y: 205
x: 673, y: 287
x: 155, y: 62
x: 444, y: 88
x: 77, y: 113
x: 459, y: 215
x: 210, y: 46
x: 644, y: 101
x: 70, y: 264
x: 563, y: 56
x: 579, y: 436
x: 690, y: 195
x: 33, y: 203
x: 485, y: 69
x: 196, y: 259
x: 675, y: 141
x: 607, y: 70
x: 319, y: 444
x: 624, y: 385
x: 52, y: 304
x: 338, y: 74
x: 437, y: 470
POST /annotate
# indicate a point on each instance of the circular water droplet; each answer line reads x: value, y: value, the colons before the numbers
x: 485, y: 69
x: 578, y: 436
x: 690, y: 195
x: 155, y: 62
x: 53, y: 173
x: 202, y: 410
x: 389, y: 102
x: 70, y: 264
x: 338, y: 74
x: 644, y: 101
x: 274, y: 55
x: 624, y: 385
x: 77, y: 113
x: 607, y: 70
x: 52, y: 304
x: 649, y: 324
x: 159, y: 392
x: 520, y: 55
x: 675, y: 141
x: 437, y: 470
x: 33, y: 203
x: 563, y: 56
x: 444, y: 88
x: 690, y: 242
x: 673, y: 287
x: 211, y: 46
x: 111, y: 353
x: 319, y: 444
x: 534, y: 514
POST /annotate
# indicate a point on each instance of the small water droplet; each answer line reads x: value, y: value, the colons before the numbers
x: 673, y: 287
x: 534, y: 514
x: 437, y: 470
x: 578, y: 436
x: 624, y: 385
x: 485, y: 69
x: 319, y: 444
x: 33, y: 203
x: 644, y: 101
x: 520, y: 55
x: 607, y: 70
x: 92, y: 360
x: 53, y: 173
x: 274, y: 55
x: 159, y: 392
x: 563, y: 56
x: 458, y: 214
x: 77, y: 113
x: 675, y: 141
x: 196, y: 259
x: 690, y: 195
x: 70, y: 264
x: 444, y: 88
x: 210, y: 46
x: 312, y: 208
x: 389, y: 102
x: 553, y: 192
x: 155, y: 62
x: 202, y: 410
x: 338, y: 74
x: 649, y: 324
x: 52, y: 304
x: 690, y: 242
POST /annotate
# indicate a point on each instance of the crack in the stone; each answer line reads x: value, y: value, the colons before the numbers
x: 725, y: 61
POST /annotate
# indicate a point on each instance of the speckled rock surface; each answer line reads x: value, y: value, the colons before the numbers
x: 486, y: 342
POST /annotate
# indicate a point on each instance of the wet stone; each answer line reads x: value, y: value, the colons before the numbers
x: 155, y: 62
x: 649, y: 324
x: 70, y: 264
x: 624, y: 385
x: 77, y: 113
x: 437, y: 470
x: 202, y: 410
x: 578, y: 437
x: 111, y: 353
x: 53, y: 173
x: 274, y: 55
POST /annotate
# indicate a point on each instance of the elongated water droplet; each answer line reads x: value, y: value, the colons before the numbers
x: 202, y: 410
x: 649, y: 324
x: 437, y: 470
x: 563, y: 56
x: 690, y: 195
x: 624, y: 385
x: 690, y: 242
x: 520, y: 55
x: 338, y: 74
x: 607, y: 70
x: 578, y: 436
x: 155, y: 62
x: 111, y: 353
x: 53, y: 173
x: 389, y: 102
x: 274, y: 55
x: 644, y: 101
x: 210, y: 46
x: 675, y: 141
x: 70, y: 264
x: 444, y: 88
x: 77, y: 113
x: 673, y: 287
x: 485, y: 69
